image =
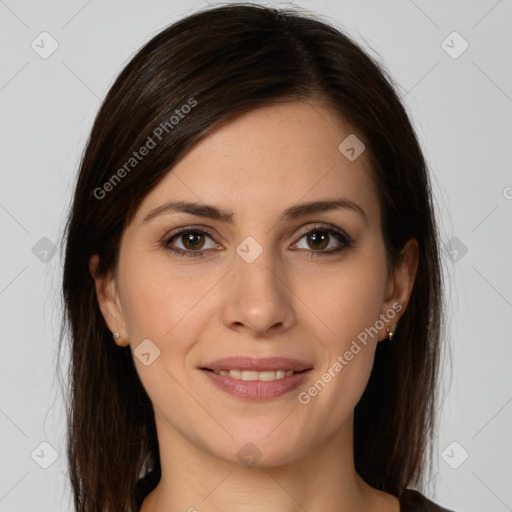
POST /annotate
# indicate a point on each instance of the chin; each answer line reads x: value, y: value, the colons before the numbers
x: 263, y: 452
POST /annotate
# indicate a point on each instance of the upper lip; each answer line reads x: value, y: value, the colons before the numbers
x: 259, y: 365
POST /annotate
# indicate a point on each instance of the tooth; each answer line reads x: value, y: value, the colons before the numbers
x: 266, y: 376
x: 249, y: 375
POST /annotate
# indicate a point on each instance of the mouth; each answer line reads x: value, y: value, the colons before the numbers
x: 250, y: 385
x: 249, y: 378
x: 249, y: 375
x: 250, y: 364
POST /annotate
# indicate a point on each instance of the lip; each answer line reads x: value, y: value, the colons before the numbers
x: 255, y: 390
x: 258, y: 365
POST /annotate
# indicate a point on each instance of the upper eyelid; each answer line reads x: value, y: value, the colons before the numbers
x: 188, y: 229
x: 327, y: 227
x: 306, y: 230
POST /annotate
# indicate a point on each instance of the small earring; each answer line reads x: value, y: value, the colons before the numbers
x: 390, y: 333
x: 116, y: 336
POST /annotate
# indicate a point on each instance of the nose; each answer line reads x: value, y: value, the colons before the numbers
x: 257, y: 299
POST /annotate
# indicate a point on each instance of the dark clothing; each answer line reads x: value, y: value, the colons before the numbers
x: 414, y: 501
x: 410, y: 501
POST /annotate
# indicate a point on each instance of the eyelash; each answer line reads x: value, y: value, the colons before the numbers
x: 340, y: 235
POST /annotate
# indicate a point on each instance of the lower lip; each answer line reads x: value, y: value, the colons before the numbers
x: 257, y: 389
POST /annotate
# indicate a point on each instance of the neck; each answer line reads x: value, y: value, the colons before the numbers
x: 194, y: 479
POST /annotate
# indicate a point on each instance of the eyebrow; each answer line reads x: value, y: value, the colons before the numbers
x: 294, y: 212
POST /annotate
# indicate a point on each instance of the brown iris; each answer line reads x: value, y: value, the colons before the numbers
x: 320, y: 239
x: 193, y: 240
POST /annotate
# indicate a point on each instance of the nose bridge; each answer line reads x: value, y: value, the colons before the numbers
x: 258, y: 296
x: 258, y: 281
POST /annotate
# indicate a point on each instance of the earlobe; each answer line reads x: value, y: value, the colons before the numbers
x: 108, y: 302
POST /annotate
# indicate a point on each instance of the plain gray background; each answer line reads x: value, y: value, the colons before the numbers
x: 461, y: 104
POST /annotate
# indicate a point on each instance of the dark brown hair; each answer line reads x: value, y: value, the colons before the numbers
x: 226, y: 61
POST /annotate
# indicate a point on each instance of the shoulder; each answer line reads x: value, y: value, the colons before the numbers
x: 413, y: 501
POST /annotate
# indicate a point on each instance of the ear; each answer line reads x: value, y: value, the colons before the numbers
x: 399, y: 287
x: 108, y: 300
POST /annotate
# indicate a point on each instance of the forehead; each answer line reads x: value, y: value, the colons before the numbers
x: 268, y: 159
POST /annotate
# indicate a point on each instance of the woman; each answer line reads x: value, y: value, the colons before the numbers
x: 252, y: 278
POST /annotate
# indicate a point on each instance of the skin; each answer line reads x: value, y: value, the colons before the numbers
x: 291, y: 301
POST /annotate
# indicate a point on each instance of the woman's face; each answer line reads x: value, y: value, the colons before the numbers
x: 261, y: 273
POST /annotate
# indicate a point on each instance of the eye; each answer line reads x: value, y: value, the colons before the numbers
x: 193, y: 242
x: 320, y: 240
x: 324, y: 241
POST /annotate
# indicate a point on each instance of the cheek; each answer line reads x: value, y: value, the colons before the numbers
x: 155, y: 299
x: 145, y: 305
x: 345, y: 308
x: 346, y: 301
